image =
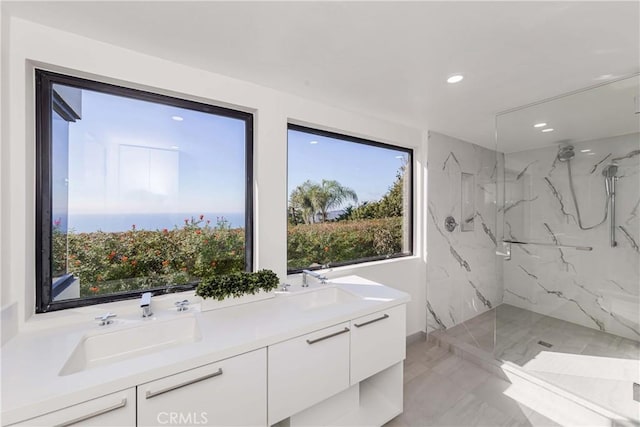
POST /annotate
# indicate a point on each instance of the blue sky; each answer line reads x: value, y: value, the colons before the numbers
x: 366, y: 169
x: 132, y: 156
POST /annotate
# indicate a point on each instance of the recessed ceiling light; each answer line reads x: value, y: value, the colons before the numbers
x: 539, y: 125
x: 584, y: 151
x: 313, y: 142
x: 548, y: 130
x: 605, y: 77
x: 177, y: 118
x: 455, y: 78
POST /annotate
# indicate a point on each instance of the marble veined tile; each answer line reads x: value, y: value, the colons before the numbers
x: 462, y: 273
x: 599, y: 288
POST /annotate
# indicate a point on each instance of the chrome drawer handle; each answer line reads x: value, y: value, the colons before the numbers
x: 151, y: 394
x: 344, y: 331
x: 82, y: 418
x: 359, y: 325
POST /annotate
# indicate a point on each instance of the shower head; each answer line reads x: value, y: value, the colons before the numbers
x: 566, y: 153
x: 610, y: 171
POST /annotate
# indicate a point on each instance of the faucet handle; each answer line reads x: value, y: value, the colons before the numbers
x: 182, y: 305
x: 145, y: 304
x: 105, y: 319
x: 145, y: 299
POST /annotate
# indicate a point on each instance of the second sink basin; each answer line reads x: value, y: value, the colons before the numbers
x: 119, y: 343
x: 322, y: 298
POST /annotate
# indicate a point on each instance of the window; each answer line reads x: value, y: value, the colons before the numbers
x: 350, y: 200
x: 136, y: 192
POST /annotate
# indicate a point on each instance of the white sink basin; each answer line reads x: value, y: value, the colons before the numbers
x: 119, y: 343
x: 322, y: 298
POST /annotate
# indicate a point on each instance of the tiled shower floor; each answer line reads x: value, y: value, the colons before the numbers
x: 594, y: 365
x: 514, y: 334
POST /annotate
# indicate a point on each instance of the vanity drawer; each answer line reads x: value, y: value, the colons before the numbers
x: 378, y: 341
x: 231, y: 392
x: 306, y: 370
x: 115, y: 409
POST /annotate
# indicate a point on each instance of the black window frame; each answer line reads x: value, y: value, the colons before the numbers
x: 46, y: 101
x: 357, y: 140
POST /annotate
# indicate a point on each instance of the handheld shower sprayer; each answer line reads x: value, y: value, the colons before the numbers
x: 565, y: 154
x: 610, y: 178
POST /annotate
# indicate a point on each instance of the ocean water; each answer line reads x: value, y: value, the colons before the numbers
x: 85, y: 223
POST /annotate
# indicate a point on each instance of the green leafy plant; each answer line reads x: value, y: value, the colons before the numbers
x: 237, y: 284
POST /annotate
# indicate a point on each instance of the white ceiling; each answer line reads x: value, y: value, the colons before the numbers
x: 387, y: 59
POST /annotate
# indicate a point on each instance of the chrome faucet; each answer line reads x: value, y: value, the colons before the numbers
x: 145, y: 304
x: 105, y: 319
x: 321, y: 277
x: 182, y: 305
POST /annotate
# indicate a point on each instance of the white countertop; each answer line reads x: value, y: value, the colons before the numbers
x: 31, y: 361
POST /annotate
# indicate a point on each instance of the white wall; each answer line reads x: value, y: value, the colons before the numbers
x: 4, y: 50
x: 35, y: 45
x: 8, y: 309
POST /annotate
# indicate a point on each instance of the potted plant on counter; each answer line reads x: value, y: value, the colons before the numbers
x: 220, y: 291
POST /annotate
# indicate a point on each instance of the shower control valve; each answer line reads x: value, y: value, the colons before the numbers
x: 450, y: 223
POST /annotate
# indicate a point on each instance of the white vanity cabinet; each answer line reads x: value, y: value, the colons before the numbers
x: 231, y: 392
x: 306, y: 370
x: 347, y: 375
x: 328, y: 356
x: 115, y: 409
x: 377, y: 342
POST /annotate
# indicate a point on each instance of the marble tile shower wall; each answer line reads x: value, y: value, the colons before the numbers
x: 599, y: 288
x: 463, y: 277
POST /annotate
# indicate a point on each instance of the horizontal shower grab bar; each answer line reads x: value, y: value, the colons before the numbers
x: 579, y: 248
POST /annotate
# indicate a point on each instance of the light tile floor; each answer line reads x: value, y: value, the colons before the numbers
x: 594, y: 365
x: 441, y: 389
x: 512, y: 334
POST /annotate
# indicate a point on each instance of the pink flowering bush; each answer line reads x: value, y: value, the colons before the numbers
x: 141, y: 259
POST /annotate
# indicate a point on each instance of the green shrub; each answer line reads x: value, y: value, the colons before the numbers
x: 237, y: 284
x: 336, y: 242
x: 133, y: 260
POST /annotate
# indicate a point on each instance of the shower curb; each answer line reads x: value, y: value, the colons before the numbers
x: 537, y: 393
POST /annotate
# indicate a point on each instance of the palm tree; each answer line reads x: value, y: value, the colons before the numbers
x: 332, y: 195
x: 312, y: 199
x: 302, y: 200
